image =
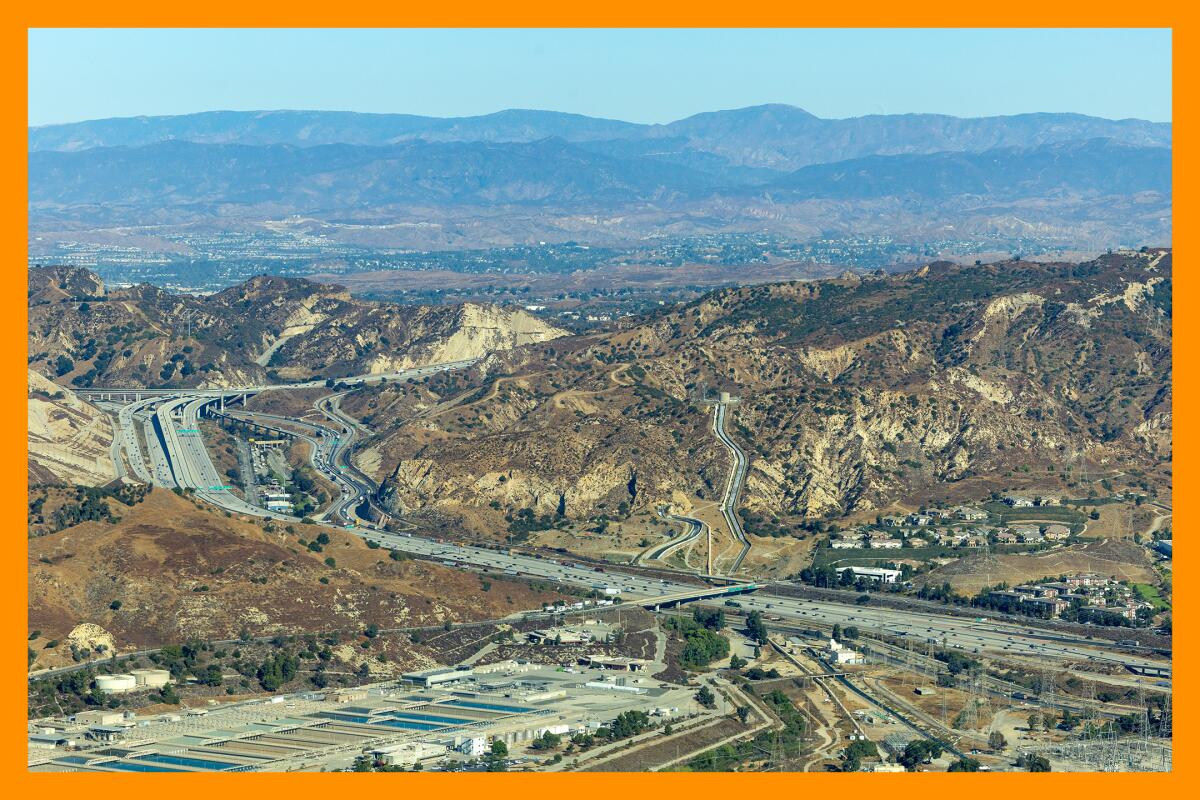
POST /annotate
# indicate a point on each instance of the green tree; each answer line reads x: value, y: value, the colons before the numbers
x: 755, y: 626
x: 706, y: 698
x: 210, y: 676
x: 496, y: 758
x: 856, y: 752
x: 919, y: 751
x: 996, y: 740
x: 547, y: 741
x: 1034, y: 763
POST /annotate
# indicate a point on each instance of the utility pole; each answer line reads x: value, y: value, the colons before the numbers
x: 709, y: 567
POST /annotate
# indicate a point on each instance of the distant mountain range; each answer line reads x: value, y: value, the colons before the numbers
x: 519, y: 176
x: 775, y: 136
x: 329, y: 178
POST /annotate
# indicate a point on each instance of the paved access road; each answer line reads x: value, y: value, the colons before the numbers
x: 692, y: 529
x: 733, y: 487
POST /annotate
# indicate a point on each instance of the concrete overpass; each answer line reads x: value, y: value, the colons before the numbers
x: 1150, y: 671
x: 706, y: 593
x: 116, y: 395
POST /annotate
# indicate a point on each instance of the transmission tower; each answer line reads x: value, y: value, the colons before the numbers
x: 187, y: 317
x: 1046, y: 687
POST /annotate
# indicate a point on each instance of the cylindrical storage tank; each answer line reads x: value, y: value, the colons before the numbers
x: 115, y: 684
x: 158, y: 678
x: 151, y: 678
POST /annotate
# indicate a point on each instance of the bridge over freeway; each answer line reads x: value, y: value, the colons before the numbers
x: 1149, y: 671
x: 114, y: 395
x: 691, y: 595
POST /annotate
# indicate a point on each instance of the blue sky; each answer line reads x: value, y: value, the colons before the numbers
x: 636, y: 75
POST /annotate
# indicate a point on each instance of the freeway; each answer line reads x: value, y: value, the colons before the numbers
x: 322, y: 443
x: 961, y: 633
x: 357, y: 487
x: 190, y: 463
x: 125, y: 438
x: 163, y: 440
x: 129, y: 422
x: 163, y: 471
x: 926, y: 628
x: 190, y: 459
x: 733, y: 487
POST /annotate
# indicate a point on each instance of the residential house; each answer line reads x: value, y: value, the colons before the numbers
x: 846, y: 544
x: 1056, y: 532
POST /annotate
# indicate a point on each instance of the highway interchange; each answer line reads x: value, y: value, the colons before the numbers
x: 179, y: 458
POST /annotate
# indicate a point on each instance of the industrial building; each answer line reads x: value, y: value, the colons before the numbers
x: 838, y: 653
x: 454, y: 720
x: 438, y: 676
x: 876, y: 574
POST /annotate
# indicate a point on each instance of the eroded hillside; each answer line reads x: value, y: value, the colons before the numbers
x: 69, y: 439
x: 856, y: 393
x: 264, y: 330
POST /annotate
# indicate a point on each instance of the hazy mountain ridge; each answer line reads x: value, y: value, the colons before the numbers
x: 521, y: 177
x: 340, y: 176
x: 774, y: 135
x: 551, y: 171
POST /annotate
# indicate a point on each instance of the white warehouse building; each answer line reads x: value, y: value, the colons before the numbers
x: 876, y: 573
x: 840, y: 654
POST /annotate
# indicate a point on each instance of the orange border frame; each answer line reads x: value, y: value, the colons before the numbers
x: 615, y: 13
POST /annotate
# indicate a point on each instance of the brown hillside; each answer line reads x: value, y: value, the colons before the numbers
x: 157, y: 558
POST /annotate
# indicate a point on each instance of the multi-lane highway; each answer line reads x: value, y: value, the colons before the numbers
x: 968, y: 635
x: 186, y: 463
x: 357, y: 487
x: 733, y: 487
